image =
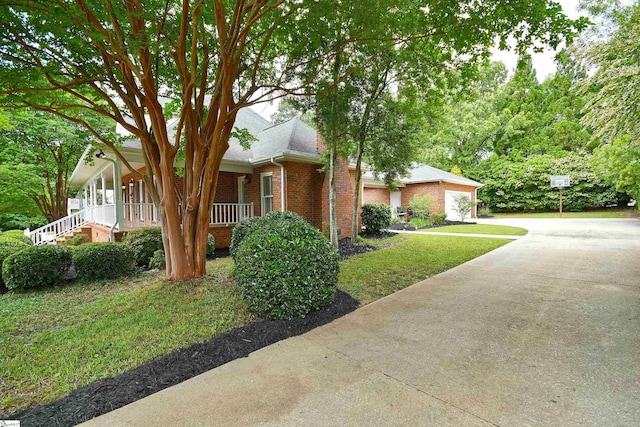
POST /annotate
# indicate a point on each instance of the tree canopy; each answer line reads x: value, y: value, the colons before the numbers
x: 123, y: 58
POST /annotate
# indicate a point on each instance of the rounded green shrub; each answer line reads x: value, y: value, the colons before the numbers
x: 158, y: 260
x: 76, y: 240
x: 286, y: 268
x: 36, y: 267
x: 144, y: 242
x: 7, y: 248
x: 439, y: 218
x: 248, y: 226
x: 104, y: 260
x: 376, y: 217
x: 211, y: 245
x: 15, y: 235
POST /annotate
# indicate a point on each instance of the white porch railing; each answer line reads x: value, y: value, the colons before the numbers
x: 50, y: 232
x: 101, y: 214
x: 146, y: 215
x: 231, y: 213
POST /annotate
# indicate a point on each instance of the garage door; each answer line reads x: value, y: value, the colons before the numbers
x: 450, y: 204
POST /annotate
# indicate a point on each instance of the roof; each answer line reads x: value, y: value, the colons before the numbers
x: 291, y: 140
x: 422, y: 173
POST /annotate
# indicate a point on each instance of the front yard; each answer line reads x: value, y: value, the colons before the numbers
x: 56, y: 340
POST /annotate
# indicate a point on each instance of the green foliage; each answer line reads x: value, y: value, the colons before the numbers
x: 420, y: 206
x: 21, y: 221
x: 484, y: 212
x: 158, y: 260
x: 523, y: 185
x: 17, y: 235
x: 439, y: 218
x: 246, y: 227
x: 376, y: 217
x: 211, y: 245
x: 240, y: 231
x: 618, y: 163
x: 420, y: 222
x: 286, y: 268
x: 76, y: 240
x: 36, y: 267
x: 462, y: 205
x: 104, y: 260
x: 8, y: 247
x: 144, y: 242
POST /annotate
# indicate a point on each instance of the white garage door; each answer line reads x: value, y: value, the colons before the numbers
x: 450, y: 203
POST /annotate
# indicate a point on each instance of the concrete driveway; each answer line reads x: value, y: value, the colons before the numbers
x: 544, y: 331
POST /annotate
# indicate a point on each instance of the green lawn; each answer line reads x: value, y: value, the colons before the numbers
x: 415, y: 257
x: 606, y: 213
x: 55, y: 340
x: 481, y: 229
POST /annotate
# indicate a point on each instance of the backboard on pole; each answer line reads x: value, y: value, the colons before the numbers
x: 560, y: 181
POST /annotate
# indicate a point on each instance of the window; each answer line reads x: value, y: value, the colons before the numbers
x: 266, y: 192
x: 243, y: 187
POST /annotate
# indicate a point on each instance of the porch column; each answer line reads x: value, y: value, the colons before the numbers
x: 104, y: 193
x: 117, y: 193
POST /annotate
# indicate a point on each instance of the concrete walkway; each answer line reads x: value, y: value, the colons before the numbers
x: 543, y: 331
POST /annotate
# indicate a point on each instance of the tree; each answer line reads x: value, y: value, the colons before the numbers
x: 52, y: 146
x: 462, y: 205
x: 120, y: 58
x: 612, y: 110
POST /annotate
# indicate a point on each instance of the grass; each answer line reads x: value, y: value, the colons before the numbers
x: 413, y: 257
x: 481, y: 229
x: 57, y: 339
x: 605, y: 213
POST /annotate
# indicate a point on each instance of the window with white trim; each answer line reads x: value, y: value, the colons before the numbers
x: 266, y: 192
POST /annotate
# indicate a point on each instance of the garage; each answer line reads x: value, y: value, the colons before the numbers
x: 450, y: 204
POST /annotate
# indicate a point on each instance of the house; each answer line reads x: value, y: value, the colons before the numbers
x: 422, y: 179
x: 281, y: 171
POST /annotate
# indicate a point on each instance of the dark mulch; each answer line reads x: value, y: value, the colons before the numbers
x: 105, y: 395
x: 406, y: 226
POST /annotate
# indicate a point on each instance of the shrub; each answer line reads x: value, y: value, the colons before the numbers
x: 144, y: 242
x: 248, y: 226
x: 103, y: 260
x: 485, y: 211
x: 285, y: 268
x: 211, y: 246
x: 16, y: 235
x: 36, y: 267
x: 7, y: 248
x: 376, y: 217
x: 439, y: 218
x: 76, y: 240
x: 158, y: 260
x: 420, y: 206
x: 240, y: 231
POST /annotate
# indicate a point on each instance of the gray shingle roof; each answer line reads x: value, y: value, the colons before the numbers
x: 424, y: 173
x: 292, y: 137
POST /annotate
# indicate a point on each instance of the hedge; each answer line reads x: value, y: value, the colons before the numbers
x: 376, y: 217
x: 36, y: 267
x: 144, y: 242
x: 104, y: 260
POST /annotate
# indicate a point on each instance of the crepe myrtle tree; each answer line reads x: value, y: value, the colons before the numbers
x: 120, y: 58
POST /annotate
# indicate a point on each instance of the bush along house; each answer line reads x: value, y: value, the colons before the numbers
x: 282, y: 170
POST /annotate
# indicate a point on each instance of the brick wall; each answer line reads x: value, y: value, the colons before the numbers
x: 437, y: 190
x: 376, y: 195
x: 303, y: 191
x: 222, y: 234
x: 227, y: 188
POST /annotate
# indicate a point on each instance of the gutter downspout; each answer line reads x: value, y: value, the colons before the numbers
x: 282, y: 183
x: 117, y: 196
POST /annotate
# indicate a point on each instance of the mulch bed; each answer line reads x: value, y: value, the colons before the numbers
x: 105, y: 395
x: 108, y: 394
